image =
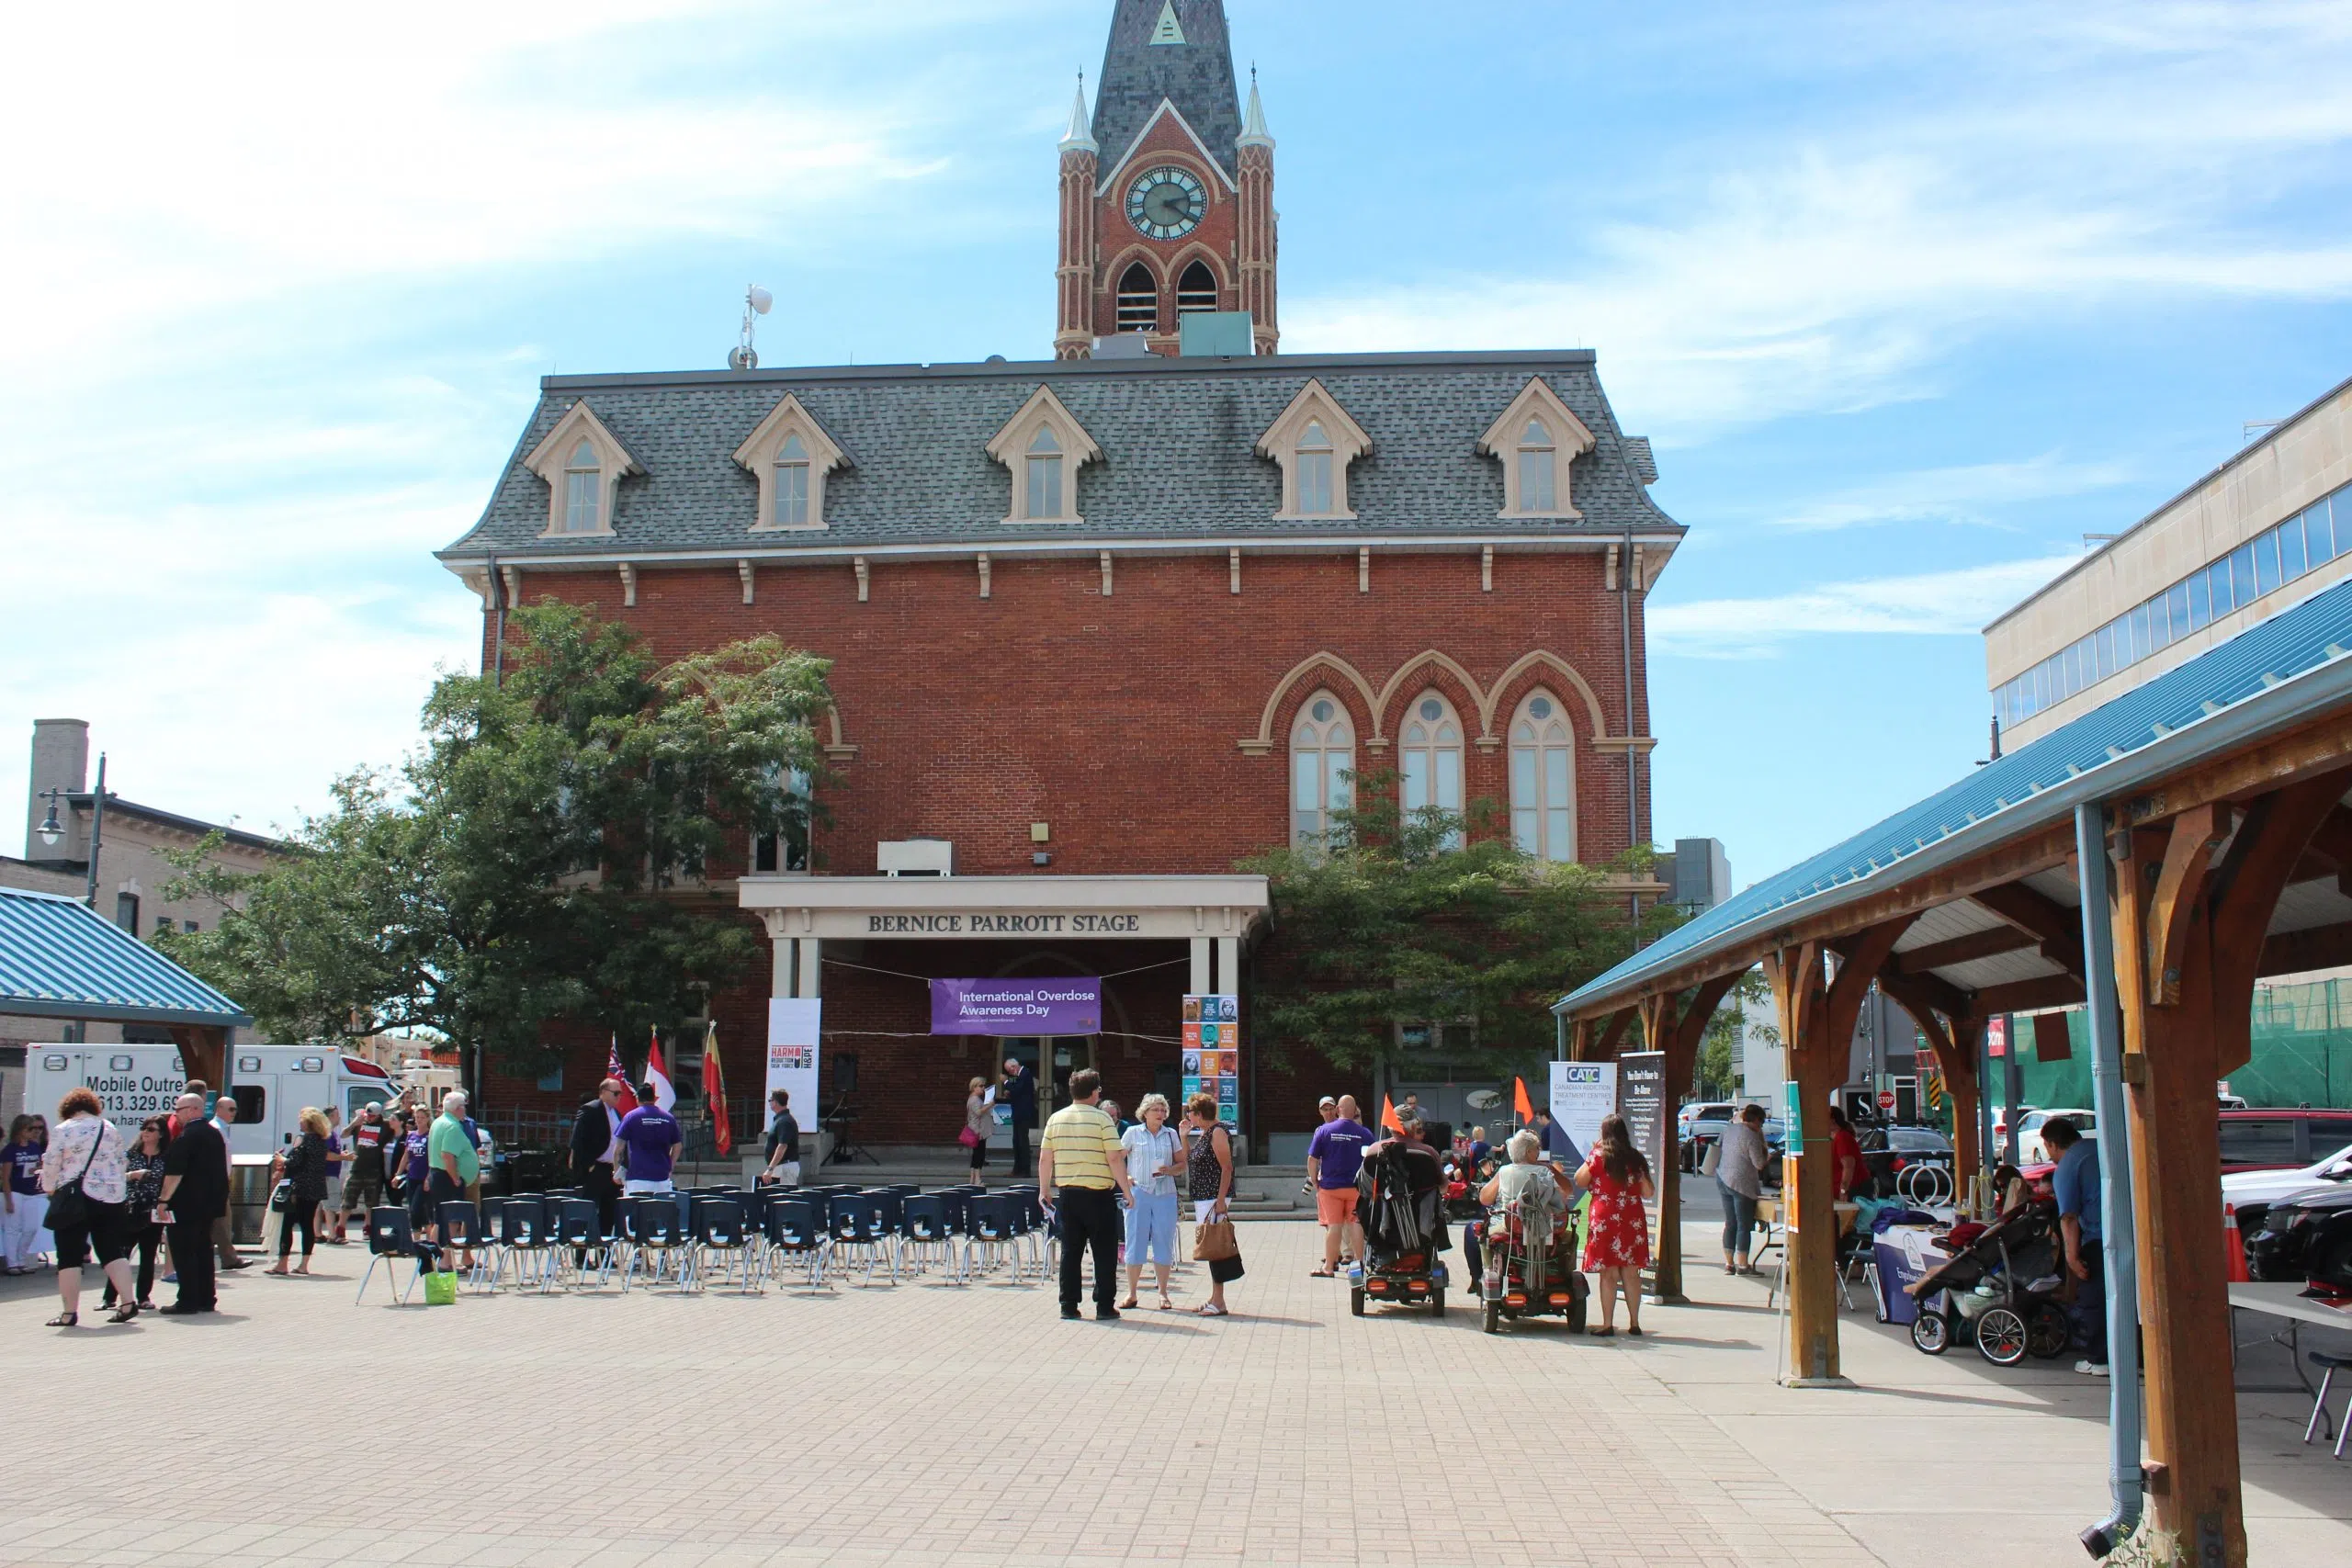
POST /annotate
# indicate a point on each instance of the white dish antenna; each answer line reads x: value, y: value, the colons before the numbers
x: 757, y: 302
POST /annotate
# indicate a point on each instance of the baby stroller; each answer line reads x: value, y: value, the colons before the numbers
x: 1404, y: 1230
x: 1531, y: 1267
x: 2001, y: 1286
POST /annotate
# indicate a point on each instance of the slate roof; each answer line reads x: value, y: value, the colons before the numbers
x: 1196, y: 75
x: 2291, y: 667
x: 1178, y: 438
x: 58, y: 959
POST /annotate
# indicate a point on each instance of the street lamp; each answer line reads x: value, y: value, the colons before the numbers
x: 50, y: 829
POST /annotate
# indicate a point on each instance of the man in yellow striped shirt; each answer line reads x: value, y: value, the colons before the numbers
x: 1081, y: 1168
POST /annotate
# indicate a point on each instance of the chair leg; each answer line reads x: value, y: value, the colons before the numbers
x: 2319, y: 1408
x: 413, y: 1280
x: 375, y: 1258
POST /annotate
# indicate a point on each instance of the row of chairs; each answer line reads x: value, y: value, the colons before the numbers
x: 557, y: 1240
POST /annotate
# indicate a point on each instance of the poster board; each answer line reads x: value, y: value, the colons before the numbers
x: 1582, y: 1093
x: 1641, y: 1101
x: 1212, y: 1052
x: 793, y: 1026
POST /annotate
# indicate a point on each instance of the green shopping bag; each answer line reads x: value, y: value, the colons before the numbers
x: 441, y: 1289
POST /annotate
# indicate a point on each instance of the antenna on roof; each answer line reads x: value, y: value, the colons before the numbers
x: 757, y: 302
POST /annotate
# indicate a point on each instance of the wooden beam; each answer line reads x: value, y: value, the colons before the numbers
x: 2027, y: 996
x: 1929, y: 991
x: 2179, y: 889
x: 1960, y: 1078
x: 1679, y: 1036
x: 1816, y: 1063
x: 2332, y: 840
x: 1605, y: 1047
x: 2316, y: 947
x: 2322, y: 746
x: 2045, y: 849
x: 2057, y: 930
x: 2254, y: 873
x: 1990, y: 942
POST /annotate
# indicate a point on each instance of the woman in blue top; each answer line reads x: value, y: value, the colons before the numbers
x: 1155, y: 1154
x: 24, y: 1207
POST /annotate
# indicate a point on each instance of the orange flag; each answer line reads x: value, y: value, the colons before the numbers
x: 1388, y: 1117
x: 714, y: 1091
x: 1519, y: 1102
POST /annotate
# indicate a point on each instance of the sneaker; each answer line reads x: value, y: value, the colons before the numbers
x: 2091, y: 1369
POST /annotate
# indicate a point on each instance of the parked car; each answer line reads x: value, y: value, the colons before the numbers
x: 2275, y: 1139
x: 2276, y: 1251
x: 2248, y: 1194
x: 1702, y: 1109
x: 2030, y: 1149
x: 1698, y: 1137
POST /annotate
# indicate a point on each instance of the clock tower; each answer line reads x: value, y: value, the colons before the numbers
x: 1168, y: 189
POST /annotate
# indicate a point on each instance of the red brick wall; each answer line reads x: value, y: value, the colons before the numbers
x: 1119, y: 244
x: 1115, y: 721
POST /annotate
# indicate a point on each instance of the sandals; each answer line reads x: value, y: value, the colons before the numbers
x: 1633, y: 1329
x: 1210, y: 1309
x: 64, y: 1320
x: 1603, y: 1333
x: 1127, y: 1305
x: 123, y: 1314
x: 1165, y: 1305
x: 1321, y: 1274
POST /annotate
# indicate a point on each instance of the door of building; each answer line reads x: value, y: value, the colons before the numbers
x: 1050, y: 1060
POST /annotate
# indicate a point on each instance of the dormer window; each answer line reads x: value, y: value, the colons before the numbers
x: 583, y: 484
x: 1537, y: 438
x: 1313, y: 441
x: 790, y: 455
x: 583, y: 465
x: 1042, y: 448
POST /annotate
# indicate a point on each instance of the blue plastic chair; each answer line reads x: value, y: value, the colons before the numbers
x: 795, y: 1227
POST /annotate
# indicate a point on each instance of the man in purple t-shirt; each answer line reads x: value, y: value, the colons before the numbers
x: 1334, y: 1156
x: 646, y: 1148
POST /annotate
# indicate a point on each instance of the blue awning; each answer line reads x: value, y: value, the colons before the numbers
x: 2275, y: 675
x: 59, y: 959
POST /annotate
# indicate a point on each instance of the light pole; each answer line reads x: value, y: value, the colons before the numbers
x: 52, y: 830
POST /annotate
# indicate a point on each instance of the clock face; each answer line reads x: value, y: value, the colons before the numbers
x: 1166, y: 203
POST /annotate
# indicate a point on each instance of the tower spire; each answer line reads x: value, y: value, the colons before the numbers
x: 1079, y: 138
x: 1253, y: 122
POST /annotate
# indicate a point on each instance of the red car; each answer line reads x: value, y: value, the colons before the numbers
x: 2281, y: 1139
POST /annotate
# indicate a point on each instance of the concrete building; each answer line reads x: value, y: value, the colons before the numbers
x: 2265, y: 530
x: 132, y: 871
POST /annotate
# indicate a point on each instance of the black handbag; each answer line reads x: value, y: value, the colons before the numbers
x: 69, y: 1208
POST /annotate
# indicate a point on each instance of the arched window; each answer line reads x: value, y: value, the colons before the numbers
x: 1430, y: 758
x: 1314, y: 471
x: 791, y: 483
x: 1196, y: 290
x: 1139, y: 301
x: 1543, y: 779
x: 1322, y: 767
x: 584, y: 486
x: 1537, y: 458
x: 1042, y: 475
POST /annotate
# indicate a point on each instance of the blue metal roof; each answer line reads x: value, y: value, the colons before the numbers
x: 2269, y: 676
x: 59, y: 959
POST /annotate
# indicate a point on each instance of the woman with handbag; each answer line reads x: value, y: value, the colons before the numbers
x: 142, y: 1175
x: 1209, y: 1182
x: 978, y: 1118
x: 83, y: 1176
x: 304, y: 1168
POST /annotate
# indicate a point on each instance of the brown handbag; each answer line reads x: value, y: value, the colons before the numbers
x: 1214, y: 1241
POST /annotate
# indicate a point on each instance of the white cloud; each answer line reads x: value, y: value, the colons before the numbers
x: 1938, y: 604
x: 1962, y: 494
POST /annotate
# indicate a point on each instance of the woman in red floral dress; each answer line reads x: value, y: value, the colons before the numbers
x: 1617, y: 1230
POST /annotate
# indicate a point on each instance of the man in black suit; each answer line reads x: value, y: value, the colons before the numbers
x: 195, y: 1191
x: 591, y: 1151
x: 1019, y: 1097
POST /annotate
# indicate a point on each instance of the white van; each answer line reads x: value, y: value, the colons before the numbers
x: 271, y: 1084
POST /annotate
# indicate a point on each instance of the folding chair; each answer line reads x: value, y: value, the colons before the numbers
x: 390, y: 1238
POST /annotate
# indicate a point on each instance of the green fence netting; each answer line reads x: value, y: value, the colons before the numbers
x: 2303, y: 1052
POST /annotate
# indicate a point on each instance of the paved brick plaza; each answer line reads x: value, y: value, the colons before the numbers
x: 902, y: 1427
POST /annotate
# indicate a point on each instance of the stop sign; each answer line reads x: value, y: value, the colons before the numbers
x: 1886, y: 1100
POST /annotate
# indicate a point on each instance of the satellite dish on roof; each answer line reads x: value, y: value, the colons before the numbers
x: 1483, y: 1099
x: 757, y: 302
x: 760, y: 300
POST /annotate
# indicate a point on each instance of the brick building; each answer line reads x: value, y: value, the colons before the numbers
x: 1104, y: 625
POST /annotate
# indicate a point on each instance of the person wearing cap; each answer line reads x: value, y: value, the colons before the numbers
x: 1326, y: 1109
x: 1334, y: 1159
x: 363, y: 1180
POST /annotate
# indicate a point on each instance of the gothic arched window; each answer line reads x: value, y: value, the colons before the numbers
x: 1322, y: 767
x: 1543, y: 779
x: 1430, y: 756
x: 1139, y: 301
x: 1196, y: 290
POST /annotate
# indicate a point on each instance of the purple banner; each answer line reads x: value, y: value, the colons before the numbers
x: 1028, y: 1006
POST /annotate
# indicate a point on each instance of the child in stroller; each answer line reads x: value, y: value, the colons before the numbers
x: 2002, y: 1284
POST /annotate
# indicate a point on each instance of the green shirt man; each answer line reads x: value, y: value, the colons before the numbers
x: 448, y: 1141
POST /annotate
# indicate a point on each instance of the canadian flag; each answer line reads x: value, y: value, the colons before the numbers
x: 657, y: 1075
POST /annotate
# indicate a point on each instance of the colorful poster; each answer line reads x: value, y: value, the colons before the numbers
x: 1213, y: 1053
x: 1582, y: 1093
x: 1028, y: 1006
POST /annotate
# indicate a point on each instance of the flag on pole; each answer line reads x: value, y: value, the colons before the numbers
x: 1519, y: 1100
x: 1389, y: 1119
x: 657, y: 1075
x: 714, y: 1090
x: 613, y: 1069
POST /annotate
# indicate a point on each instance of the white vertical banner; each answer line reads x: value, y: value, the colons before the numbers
x: 793, y: 1023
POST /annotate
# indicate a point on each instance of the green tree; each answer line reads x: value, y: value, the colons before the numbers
x: 1425, y: 917
x: 540, y: 855
x: 1718, y: 1074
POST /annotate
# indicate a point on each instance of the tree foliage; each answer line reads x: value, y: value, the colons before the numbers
x: 1400, y: 917
x: 539, y: 855
x: 1719, y: 1063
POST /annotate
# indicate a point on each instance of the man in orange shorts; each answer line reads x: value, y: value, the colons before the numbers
x: 1333, y: 1157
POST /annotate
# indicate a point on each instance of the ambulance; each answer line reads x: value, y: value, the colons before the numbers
x: 271, y: 1084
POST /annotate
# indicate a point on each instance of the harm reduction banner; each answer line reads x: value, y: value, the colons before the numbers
x: 1213, y: 1053
x: 793, y: 1023
x: 1582, y: 1093
x: 1030, y: 1005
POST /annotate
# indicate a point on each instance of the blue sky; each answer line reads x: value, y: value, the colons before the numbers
x: 1909, y: 296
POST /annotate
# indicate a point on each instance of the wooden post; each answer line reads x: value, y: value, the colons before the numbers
x: 203, y: 1052
x: 1959, y: 1079
x: 1676, y: 1033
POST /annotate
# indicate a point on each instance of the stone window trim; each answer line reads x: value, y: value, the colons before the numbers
x: 1075, y: 448
x: 758, y: 455
x: 1569, y: 439
x: 552, y: 457
x: 1314, y: 409
x: 1543, y: 777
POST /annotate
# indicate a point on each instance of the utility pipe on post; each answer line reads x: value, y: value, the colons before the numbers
x: 2118, y: 1240
x: 97, y: 821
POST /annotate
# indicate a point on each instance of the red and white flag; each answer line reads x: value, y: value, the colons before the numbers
x: 714, y: 1091
x: 613, y: 1069
x: 658, y: 1076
